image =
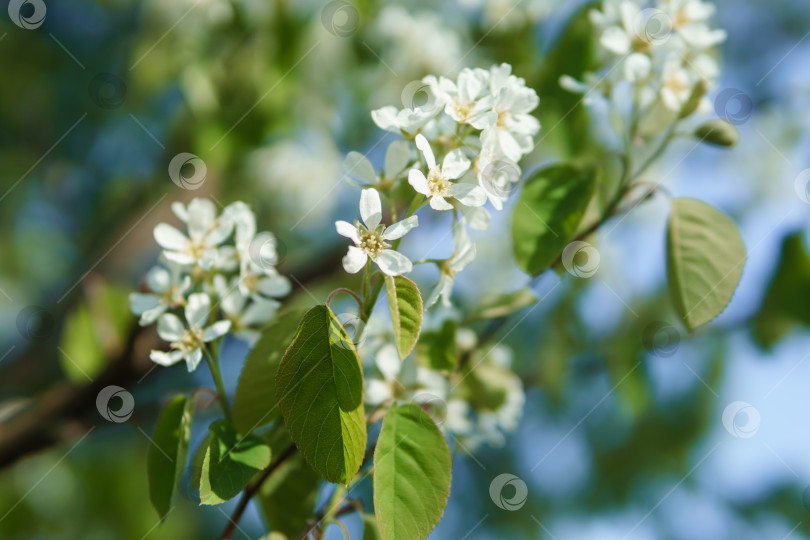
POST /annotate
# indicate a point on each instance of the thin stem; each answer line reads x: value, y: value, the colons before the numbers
x: 213, y: 365
x: 346, y: 291
x: 658, y: 151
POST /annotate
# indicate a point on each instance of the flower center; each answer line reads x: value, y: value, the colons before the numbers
x: 438, y: 184
x: 191, y: 340
x: 503, y: 118
x: 463, y: 109
x: 372, y: 242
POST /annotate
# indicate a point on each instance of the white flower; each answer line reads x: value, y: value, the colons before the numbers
x: 467, y: 100
x: 205, y: 233
x: 402, y: 379
x: 689, y: 22
x: 463, y: 254
x: 512, y: 133
x: 676, y: 84
x: 370, y: 238
x: 246, y: 314
x: 438, y: 186
x: 168, y: 286
x: 187, y: 341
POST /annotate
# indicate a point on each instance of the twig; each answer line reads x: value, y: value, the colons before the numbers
x: 252, y: 489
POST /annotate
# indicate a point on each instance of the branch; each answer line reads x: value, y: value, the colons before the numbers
x: 251, y: 490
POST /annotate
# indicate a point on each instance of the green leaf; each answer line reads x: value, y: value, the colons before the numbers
x: 548, y: 213
x: 785, y: 303
x: 498, y: 306
x: 254, y: 403
x: 166, y: 457
x: 82, y: 357
x: 319, y: 387
x: 287, y: 498
x: 370, y: 530
x: 437, y: 349
x: 405, y: 304
x: 705, y: 257
x: 412, y: 473
x: 230, y: 462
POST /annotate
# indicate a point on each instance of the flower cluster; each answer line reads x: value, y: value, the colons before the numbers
x: 477, y: 406
x: 665, y: 50
x: 219, y: 261
x: 463, y: 142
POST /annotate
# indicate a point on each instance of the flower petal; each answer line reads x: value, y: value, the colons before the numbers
x: 469, y: 194
x: 193, y: 359
x: 354, y: 260
x: 201, y: 216
x: 139, y: 303
x: 423, y: 145
x: 417, y: 180
x: 219, y: 328
x: 400, y: 229
x: 170, y: 238
x: 358, y: 165
x: 274, y: 285
x: 437, y: 202
x: 370, y: 207
x: 386, y: 118
x: 455, y: 164
x: 159, y: 279
x: 388, y: 362
x: 344, y: 228
x: 170, y: 327
x: 393, y: 263
x: 197, y: 309
x: 165, y: 358
x: 397, y: 157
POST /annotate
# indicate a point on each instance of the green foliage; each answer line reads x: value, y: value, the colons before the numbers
x: 288, y: 497
x: 166, y: 457
x: 82, y: 357
x: 412, y: 472
x: 548, y: 213
x: 501, y: 305
x: 437, y: 349
x: 230, y: 462
x: 785, y: 303
x: 95, y: 329
x: 254, y: 403
x: 405, y: 304
x: 370, y: 530
x: 705, y: 257
x: 319, y: 387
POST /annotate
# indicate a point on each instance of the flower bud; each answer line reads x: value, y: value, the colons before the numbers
x: 717, y: 132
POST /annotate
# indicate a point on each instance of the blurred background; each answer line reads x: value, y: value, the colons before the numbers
x: 632, y: 428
